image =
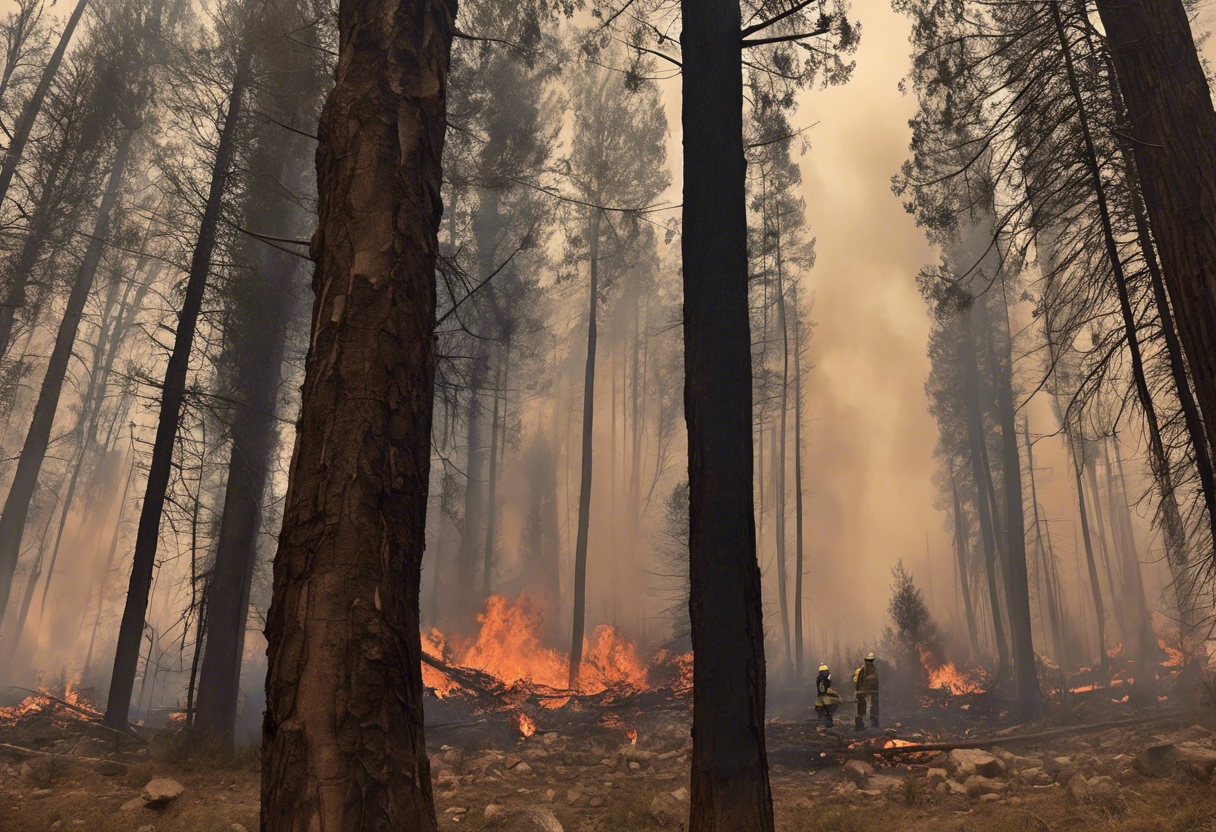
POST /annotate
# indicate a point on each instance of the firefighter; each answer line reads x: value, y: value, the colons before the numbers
x: 865, y: 681
x: 826, y: 699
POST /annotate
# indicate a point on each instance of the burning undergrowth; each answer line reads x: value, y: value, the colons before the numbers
x: 508, y: 669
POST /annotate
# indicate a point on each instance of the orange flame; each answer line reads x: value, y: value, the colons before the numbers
x: 509, y: 646
x: 527, y: 725
x: 945, y: 676
x: 1176, y: 659
x: 632, y: 733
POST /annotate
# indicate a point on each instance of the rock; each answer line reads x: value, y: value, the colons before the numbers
x: 1022, y: 763
x: 38, y: 794
x: 27, y: 769
x: 573, y: 796
x: 1102, y: 787
x: 1077, y: 788
x: 493, y: 810
x: 858, y: 772
x: 977, y: 786
x: 522, y: 768
x: 56, y: 825
x: 670, y: 807
x: 937, y: 775
x: 531, y: 819
x: 595, y: 802
x: 1162, y: 760
x: 990, y: 797
x: 109, y: 768
x: 634, y: 766
x: 132, y: 804
x: 161, y: 791
x: 966, y: 762
x: 1054, y: 765
x: 956, y: 788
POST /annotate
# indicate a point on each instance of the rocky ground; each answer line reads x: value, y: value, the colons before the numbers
x: 1129, y: 779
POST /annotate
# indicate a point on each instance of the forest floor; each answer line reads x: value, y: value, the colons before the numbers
x: 597, y: 780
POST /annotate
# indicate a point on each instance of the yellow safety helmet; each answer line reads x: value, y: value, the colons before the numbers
x: 823, y: 668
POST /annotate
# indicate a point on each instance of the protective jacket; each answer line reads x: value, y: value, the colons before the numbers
x: 865, y: 678
x: 826, y: 697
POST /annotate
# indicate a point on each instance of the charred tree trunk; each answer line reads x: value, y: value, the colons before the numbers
x: 1045, y: 565
x: 1159, y: 462
x: 1017, y: 587
x: 584, y: 492
x: 798, y: 553
x: 1146, y: 649
x: 29, y: 114
x: 343, y: 747
x: 979, y: 474
x: 960, y: 542
x: 173, y: 393
x: 1173, y: 126
x: 730, y: 784
x: 16, y: 506
x: 780, y: 444
x: 487, y: 566
x: 253, y: 444
x: 471, y: 536
x: 1094, y: 584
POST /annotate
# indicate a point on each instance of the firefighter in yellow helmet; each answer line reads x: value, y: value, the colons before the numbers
x: 826, y: 699
x: 865, y: 681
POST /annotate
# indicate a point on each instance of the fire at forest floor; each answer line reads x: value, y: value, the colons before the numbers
x: 625, y: 769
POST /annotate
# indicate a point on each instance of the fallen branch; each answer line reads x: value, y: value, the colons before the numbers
x: 90, y: 716
x: 31, y: 752
x: 1014, y: 738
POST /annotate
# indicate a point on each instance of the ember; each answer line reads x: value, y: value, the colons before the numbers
x: 1176, y: 659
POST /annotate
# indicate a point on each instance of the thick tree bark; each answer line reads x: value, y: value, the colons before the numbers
x: 17, y: 504
x: 1174, y: 143
x: 584, y: 492
x: 29, y: 114
x: 173, y: 393
x: 343, y: 747
x: 730, y: 784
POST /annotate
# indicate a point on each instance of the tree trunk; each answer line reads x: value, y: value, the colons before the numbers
x: 343, y: 747
x: 31, y: 249
x: 1053, y: 610
x: 29, y: 114
x: 487, y: 566
x: 729, y: 779
x: 780, y: 444
x: 1158, y: 461
x: 17, y: 505
x: 173, y: 393
x: 1017, y: 587
x: 798, y: 554
x: 584, y: 493
x: 1176, y: 554
x: 472, y: 535
x: 1174, y: 143
x: 960, y: 542
x: 979, y: 474
x: 1145, y: 649
x: 251, y: 455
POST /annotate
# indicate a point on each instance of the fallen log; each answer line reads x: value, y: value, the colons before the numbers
x: 1040, y: 735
